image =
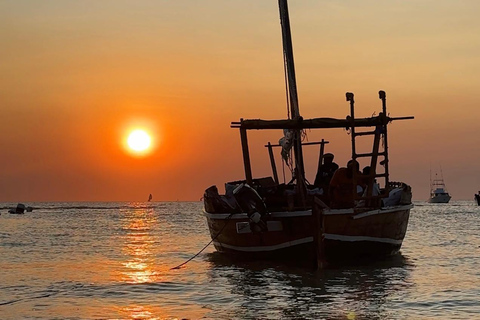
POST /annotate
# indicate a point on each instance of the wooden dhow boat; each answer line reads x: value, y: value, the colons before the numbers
x: 477, y: 198
x: 263, y: 218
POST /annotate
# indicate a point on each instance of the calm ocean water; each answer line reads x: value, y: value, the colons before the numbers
x: 114, y: 260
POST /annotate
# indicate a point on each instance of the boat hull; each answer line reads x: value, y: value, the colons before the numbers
x: 332, y: 234
x: 440, y: 198
x: 284, y: 233
x: 477, y: 198
x: 366, y: 234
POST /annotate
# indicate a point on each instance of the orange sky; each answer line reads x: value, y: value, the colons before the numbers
x: 75, y: 75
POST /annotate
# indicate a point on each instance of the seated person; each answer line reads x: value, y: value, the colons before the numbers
x: 342, y: 190
x: 367, y: 180
x: 325, y: 172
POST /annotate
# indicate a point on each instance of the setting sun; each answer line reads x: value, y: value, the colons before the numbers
x: 138, y: 140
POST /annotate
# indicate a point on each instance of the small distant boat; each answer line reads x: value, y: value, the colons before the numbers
x: 150, y: 197
x: 438, y: 191
x: 477, y: 198
x: 20, y: 209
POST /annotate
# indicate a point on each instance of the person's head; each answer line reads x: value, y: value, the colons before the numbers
x: 352, y: 166
x: 366, y: 170
x: 328, y: 158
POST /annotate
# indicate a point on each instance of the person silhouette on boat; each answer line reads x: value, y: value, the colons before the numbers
x: 341, y: 190
x: 325, y: 172
x: 367, y: 179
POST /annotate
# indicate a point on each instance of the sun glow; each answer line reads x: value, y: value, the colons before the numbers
x: 139, y: 140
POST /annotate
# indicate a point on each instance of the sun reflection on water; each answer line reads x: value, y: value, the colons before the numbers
x: 139, y: 264
x: 144, y: 267
x: 139, y: 312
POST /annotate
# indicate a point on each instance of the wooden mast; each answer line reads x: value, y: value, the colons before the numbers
x: 292, y: 95
x: 288, y: 59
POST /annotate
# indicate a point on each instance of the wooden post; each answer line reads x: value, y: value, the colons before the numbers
x: 246, y: 156
x: 320, y: 156
x: 301, y: 187
x: 383, y: 96
x: 320, y: 260
x: 272, y: 162
x: 373, y: 163
x: 350, y: 98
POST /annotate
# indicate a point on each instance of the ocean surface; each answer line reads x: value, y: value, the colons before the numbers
x: 115, y: 260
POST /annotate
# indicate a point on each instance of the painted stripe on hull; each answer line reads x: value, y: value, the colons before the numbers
x: 339, y: 237
x: 265, y: 248
x: 286, y: 214
x: 381, y: 211
x: 306, y: 213
x: 367, y: 213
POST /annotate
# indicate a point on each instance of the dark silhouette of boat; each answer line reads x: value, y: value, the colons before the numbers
x: 20, y: 209
x: 261, y: 217
x: 477, y: 198
x: 150, y: 197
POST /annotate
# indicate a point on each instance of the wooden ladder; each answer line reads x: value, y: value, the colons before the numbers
x: 377, y: 133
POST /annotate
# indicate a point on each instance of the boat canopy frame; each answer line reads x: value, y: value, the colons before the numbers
x: 379, y: 122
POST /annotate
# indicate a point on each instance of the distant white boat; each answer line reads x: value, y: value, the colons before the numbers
x: 438, y: 190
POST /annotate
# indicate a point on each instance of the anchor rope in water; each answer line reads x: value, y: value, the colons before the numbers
x: 213, y: 239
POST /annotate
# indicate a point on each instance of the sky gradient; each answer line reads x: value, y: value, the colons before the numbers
x: 77, y: 75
